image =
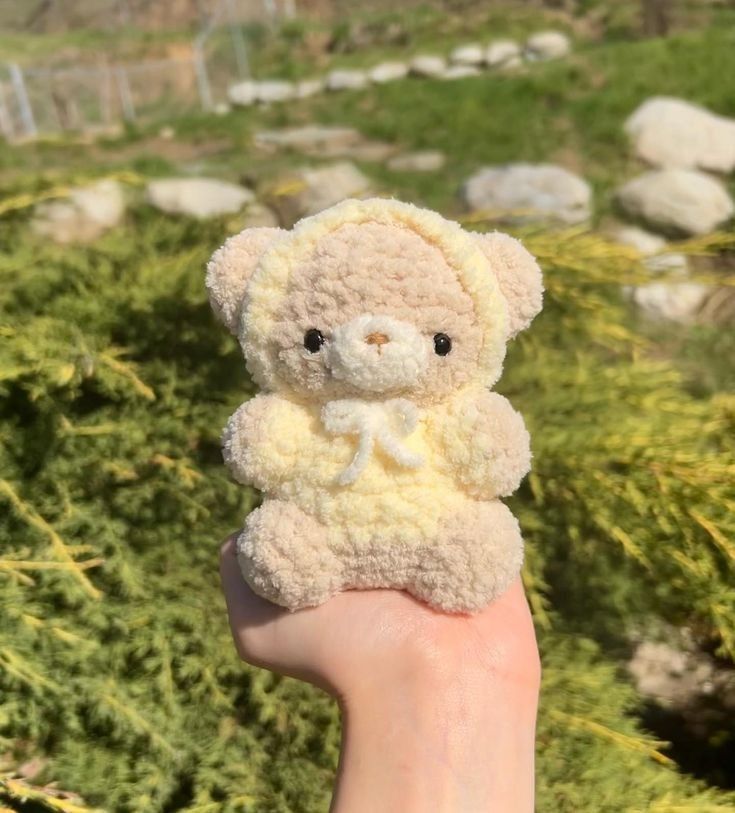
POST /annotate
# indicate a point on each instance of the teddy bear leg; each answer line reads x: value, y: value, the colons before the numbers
x: 284, y: 556
x: 477, y: 553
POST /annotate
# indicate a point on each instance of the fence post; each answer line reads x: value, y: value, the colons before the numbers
x: 6, y: 123
x: 126, y: 97
x: 24, y: 103
x: 200, y: 68
x: 238, y: 42
x: 105, y: 92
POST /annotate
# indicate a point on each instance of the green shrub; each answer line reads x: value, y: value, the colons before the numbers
x: 115, y: 657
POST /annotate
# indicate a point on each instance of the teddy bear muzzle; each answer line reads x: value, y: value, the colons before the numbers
x: 377, y: 353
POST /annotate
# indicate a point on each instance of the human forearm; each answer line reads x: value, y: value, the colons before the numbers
x: 457, y: 744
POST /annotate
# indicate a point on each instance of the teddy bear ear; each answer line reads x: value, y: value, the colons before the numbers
x: 230, y: 269
x: 518, y: 274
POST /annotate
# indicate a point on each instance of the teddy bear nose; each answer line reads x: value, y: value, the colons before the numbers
x: 377, y: 338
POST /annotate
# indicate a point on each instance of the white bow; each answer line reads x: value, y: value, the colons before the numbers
x: 381, y: 422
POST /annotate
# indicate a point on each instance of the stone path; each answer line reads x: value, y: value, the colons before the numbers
x: 468, y: 59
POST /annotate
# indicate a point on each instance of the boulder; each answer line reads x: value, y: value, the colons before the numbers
x: 651, y: 248
x: 424, y: 161
x: 668, y: 132
x: 674, y: 300
x: 681, y: 676
x: 548, y: 45
x: 87, y: 213
x: 503, y: 54
x: 471, y: 54
x: 671, y: 301
x: 388, y: 72
x: 428, y: 66
x: 310, y: 190
x: 258, y: 215
x: 309, y: 87
x: 642, y: 241
x: 347, y: 80
x: 459, y: 72
x: 523, y: 193
x: 274, y: 90
x: 677, y: 200
x: 243, y: 94
x: 200, y: 198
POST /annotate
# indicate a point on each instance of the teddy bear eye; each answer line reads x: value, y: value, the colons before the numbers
x: 313, y: 340
x: 442, y: 344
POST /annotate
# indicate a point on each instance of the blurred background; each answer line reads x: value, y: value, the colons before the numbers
x: 136, y: 136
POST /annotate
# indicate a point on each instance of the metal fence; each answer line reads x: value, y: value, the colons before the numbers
x: 38, y: 101
x: 47, y: 16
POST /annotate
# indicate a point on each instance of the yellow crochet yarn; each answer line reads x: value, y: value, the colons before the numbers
x: 375, y: 330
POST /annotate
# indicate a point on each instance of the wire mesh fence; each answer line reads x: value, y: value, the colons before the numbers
x: 48, y: 16
x: 92, y: 97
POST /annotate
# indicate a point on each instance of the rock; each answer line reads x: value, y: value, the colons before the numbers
x: 668, y: 132
x: 375, y: 151
x: 427, y: 66
x: 472, y: 54
x: 677, y: 200
x: 87, y: 213
x: 388, y: 72
x: 459, y: 72
x: 309, y: 139
x: 310, y: 190
x: 274, y: 90
x: 548, y: 45
x: 642, y: 241
x: 680, y: 677
x: 347, y: 80
x: 651, y: 247
x: 660, y: 671
x: 524, y: 193
x: 258, y: 215
x: 325, y: 142
x: 200, y: 198
x: 671, y: 301
x: 674, y: 301
x: 167, y: 133
x: 309, y: 87
x: 424, y: 161
x: 690, y: 692
x: 503, y: 54
x: 243, y: 94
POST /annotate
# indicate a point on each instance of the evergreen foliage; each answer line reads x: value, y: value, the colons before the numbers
x: 115, y: 380
x: 115, y: 656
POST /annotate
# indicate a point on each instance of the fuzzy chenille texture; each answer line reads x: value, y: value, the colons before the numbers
x: 375, y: 330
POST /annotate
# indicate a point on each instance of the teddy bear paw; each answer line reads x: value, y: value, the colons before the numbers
x: 284, y: 558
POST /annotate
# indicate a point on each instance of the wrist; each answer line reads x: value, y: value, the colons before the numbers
x: 441, y: 737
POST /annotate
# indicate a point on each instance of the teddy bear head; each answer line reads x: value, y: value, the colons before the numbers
x: 373, y: 299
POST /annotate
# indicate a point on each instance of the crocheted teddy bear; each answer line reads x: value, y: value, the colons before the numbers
x: 375, y: 330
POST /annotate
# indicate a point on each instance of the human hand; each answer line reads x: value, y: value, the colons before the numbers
x: 438, y: 710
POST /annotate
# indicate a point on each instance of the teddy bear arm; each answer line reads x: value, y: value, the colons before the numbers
x: 486, y: 444
x: 250, y: 442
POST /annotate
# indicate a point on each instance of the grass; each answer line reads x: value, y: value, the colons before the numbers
x: 570, y: 112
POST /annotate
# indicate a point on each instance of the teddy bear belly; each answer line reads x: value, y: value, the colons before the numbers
x: 403, y: 506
